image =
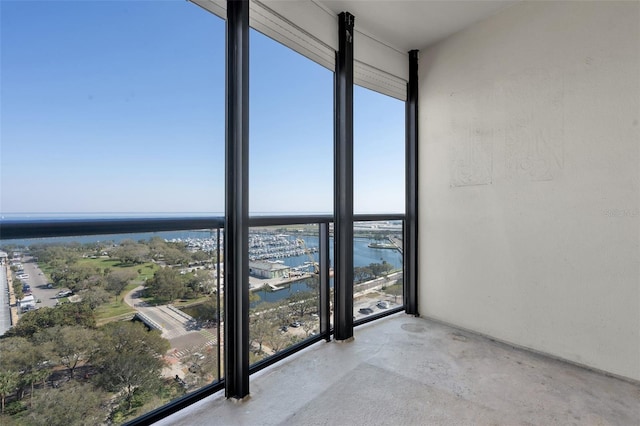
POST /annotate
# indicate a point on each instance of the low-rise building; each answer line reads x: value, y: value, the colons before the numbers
x: 267, y: 270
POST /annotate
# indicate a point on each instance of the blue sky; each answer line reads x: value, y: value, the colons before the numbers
x: 118, y: 106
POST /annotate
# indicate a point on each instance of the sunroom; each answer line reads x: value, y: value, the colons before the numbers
x: 513, y: 291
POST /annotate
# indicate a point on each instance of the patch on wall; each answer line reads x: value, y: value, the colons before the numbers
x: 534, y: 125
x: 472, y: 136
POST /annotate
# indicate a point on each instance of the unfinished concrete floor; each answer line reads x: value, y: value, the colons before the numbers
x: 411, y: 371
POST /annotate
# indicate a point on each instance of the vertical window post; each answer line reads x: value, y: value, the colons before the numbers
x: 411, y: 203
x: 236, y: 246
x: 343, y: 181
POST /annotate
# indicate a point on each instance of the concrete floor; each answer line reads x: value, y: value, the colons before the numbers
x: 410, y: 371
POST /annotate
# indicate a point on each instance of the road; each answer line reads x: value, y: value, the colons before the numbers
x: 171, y: 322
x: 367, y: 295
x: 179, y: 328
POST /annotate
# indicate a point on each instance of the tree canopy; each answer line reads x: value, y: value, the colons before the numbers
x: 129, y: 358
x: 32, y: 322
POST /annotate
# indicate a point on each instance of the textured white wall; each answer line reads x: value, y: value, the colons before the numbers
x: 529, y: 180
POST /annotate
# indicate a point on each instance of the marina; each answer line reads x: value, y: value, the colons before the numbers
x: 294, y: 252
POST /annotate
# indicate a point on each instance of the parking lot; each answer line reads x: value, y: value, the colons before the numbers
x: 38, y: 283
x: 373, y: 303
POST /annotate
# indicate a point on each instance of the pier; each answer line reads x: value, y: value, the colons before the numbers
x: 275, y: 284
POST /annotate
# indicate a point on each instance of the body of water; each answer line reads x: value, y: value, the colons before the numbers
x: 362, y: 254
x: 114, y: 238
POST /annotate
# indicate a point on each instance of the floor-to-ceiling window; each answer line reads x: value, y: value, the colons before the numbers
x: 379, y: 189
x: 115, y: 111
x: 291, y: 174
x: 110, y: 110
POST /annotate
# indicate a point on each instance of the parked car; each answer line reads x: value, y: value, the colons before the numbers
x: 365, y: 311
x: 64, y: 293
x: 295, y: 324
x: 383, y: 304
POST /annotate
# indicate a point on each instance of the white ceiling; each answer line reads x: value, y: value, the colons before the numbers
x: 406, y: 25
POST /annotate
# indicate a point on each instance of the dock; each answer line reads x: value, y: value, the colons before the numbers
x: 274, y: 287
x: 275, y: 284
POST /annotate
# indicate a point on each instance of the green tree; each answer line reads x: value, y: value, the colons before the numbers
x: 131, y: 253
x: 130, y: 359
x: 207, y: 310
x: 67, y: 314
x: 157, y: 246
x: 386, y: 268
x: 174, y: 256
x: 71, y: 345
x: 58, y: 253
x: 77, y: 276
x: 202, y: 281
x: 8, y: 385
x: 201, y: 257
x: 260, y: 327
x: 118, y: 280
x: 395, y: 290
x: 17, y: 289
x: 360, y: 274
x: 22, y: 357
x: 277, y: 340
x: 38, y: 375
x: 95, y: 297
x: 166, y: 285
x: 376, y: 269
x: 72, y: 404
x: 302, y: 303
x: 280, y: 312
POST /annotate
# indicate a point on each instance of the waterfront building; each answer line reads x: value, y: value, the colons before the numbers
x: 268, y: 270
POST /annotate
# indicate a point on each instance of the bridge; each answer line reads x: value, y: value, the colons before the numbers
x: 167, y: 319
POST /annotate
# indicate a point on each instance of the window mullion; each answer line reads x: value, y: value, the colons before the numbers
x: 236, y: 245
x: 343, y: 181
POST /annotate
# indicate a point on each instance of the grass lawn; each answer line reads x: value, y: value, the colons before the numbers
x: 145, y: 270
x: 102, y: 263
x: 113, y: 309
x: 116, y: 308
